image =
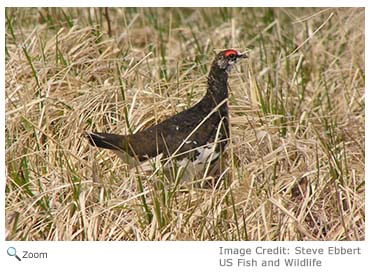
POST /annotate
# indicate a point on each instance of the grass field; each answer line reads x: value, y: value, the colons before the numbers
x: 295, y: 161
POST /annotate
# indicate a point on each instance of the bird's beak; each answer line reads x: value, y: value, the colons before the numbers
x: 242, y: 55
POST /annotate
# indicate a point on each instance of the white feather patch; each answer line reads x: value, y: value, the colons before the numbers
x: 205, y: 153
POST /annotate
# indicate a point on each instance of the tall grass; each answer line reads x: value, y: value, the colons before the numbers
x: 294, y: 168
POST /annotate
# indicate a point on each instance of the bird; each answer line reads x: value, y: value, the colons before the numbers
x: 193, y: 137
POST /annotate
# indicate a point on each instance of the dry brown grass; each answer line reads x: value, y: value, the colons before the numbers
x: 296, y: 156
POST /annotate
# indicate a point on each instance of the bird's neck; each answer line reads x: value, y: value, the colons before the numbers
x: 217, y: 90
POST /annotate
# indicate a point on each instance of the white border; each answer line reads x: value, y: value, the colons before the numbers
x: 160, y: 257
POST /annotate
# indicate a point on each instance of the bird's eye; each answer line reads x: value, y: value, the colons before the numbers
x: 231, y: 55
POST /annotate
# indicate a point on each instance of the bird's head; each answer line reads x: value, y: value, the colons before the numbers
x: 227, y: 58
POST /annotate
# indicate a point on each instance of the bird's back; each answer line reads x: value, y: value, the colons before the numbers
x: 178, y: 136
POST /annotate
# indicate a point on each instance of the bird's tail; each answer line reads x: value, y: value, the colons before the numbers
x: 105, y: 140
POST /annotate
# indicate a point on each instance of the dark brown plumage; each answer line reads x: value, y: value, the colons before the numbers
x: 189, y: 134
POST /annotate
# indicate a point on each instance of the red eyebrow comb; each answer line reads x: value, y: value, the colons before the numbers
x: 229, y: 52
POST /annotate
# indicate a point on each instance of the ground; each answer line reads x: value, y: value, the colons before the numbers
x: 294, y: 167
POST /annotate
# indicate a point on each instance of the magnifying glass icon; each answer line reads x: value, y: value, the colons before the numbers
x: 13, y: 252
